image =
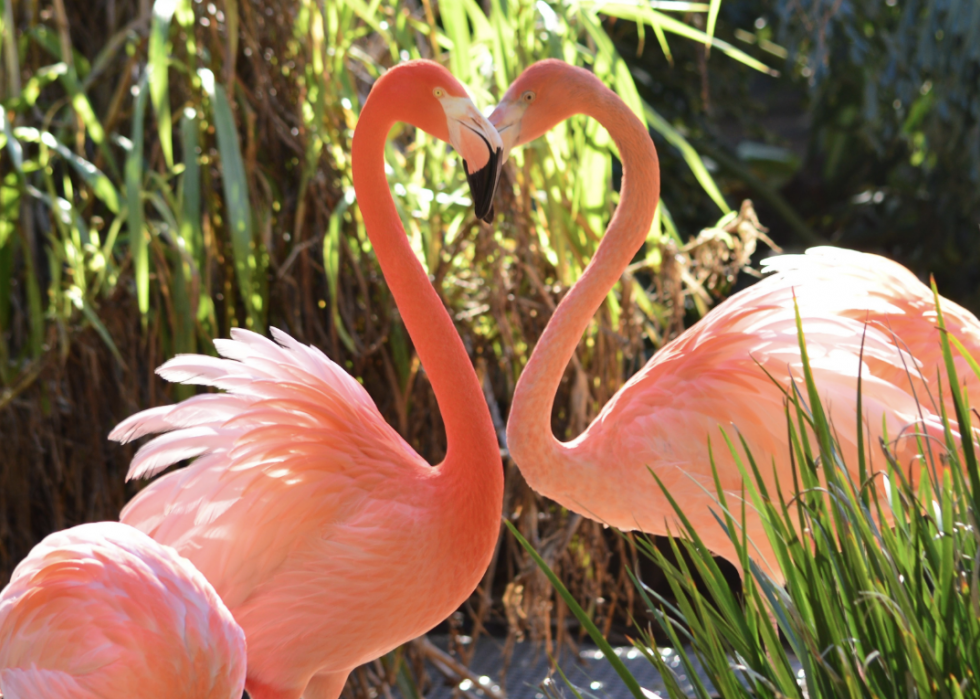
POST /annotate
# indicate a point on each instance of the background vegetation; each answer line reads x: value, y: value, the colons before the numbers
x: 175, y: 168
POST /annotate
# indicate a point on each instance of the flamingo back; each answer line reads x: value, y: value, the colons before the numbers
x: 869, y: 287
x: 103, y: 611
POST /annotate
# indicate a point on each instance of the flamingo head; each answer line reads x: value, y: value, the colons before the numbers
x: 437, y: 103
x: 541, y: 97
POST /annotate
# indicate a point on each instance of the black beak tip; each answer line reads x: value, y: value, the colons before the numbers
x: 483, y: 185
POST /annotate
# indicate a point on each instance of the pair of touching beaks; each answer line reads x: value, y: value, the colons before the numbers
x: 484, y: 153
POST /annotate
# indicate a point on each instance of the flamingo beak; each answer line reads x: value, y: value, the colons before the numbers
x: 506, y: 118
x: 483, y: 181
x: 479, y: 144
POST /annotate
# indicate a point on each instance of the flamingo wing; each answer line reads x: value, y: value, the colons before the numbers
x: 102, y: 610
x: 17, y: 683
x: 300, y: 501
x: 870, y: 287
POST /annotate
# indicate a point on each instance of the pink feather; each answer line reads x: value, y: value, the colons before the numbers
x: 102, y: 611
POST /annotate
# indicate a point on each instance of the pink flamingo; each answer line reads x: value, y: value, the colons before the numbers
x: 330, y: 539
x: 708, y: 377
x: 863, y: 286
x: 102, y: 611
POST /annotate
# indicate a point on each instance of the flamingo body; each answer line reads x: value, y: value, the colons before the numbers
x: 715, y: 374
x: 302, y: 506
x: 328, y: 537
x: 102, y: 611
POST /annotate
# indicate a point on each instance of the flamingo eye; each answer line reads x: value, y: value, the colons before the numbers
x: 439, y: 92
x: 528, y: 97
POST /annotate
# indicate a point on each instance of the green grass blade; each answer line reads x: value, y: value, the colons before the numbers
x: 159, y: 65
x: 10, y: 53
x: 331, y: 266
x: 574, y: 690
x: 231, y: 23
x: 237, y: 206
x: 965, y: 353
x: 37, y: 82
x: 90, y: 315
x: 190, y: 187
x: 962, y: 418
x: 14, y: 148
x: 580, y: 614
x: 83, y: 108
x: 641, y: 13
x: 134, y: 203
x: 662, y: 40
x: 101, y: 185
x: 714, y: 7
x: 9, y: 215
x: 820, y: 423
x: 183, y: 332
x: 690, y: 155
x: 34, y: 303
x: 457, y: 29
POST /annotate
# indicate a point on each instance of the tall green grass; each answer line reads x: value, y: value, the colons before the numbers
x: 882, y: 594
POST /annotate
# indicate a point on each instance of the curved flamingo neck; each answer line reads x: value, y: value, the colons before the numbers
x: 470, y: 436
x: 530, y: 439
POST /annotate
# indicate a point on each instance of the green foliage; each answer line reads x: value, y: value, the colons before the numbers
x: 882, y: 574
x: 177, y: 239
x: 896, y: 127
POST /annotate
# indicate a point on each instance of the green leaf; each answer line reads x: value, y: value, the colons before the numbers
x: 331, y: 265
x: 32, y: 89
x: 63, y: 212
x: 690, y: 155
x: 78, y: 299
x: 159, y: 64
x: 101, y: 185
x: 965, y: 353
x: 83, y: 108
x: 712, y: 19
x: 134, y: 203
x: 641, y: 13
x: 231, y: 31
x: 962, y: 417
x: 48, y: 40
x: 13, y: 145
x: 662, y: 40
x: 190, y: 187
x: 9, y: 215
x: 238, y: 210
x: 458, y: 30
x: 184, y: 12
